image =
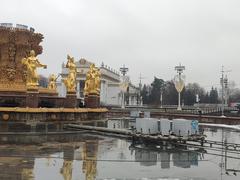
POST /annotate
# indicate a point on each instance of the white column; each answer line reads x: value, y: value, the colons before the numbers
x: 106, y: 92
x: 135, y: 100
x: 78, y: 89
x: 64, y: 90
x: 101, y: 91
x: 123, y: 100
x: 161, y: 99
x: 179, y: 102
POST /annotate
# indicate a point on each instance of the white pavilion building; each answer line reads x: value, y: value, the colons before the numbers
x: 110, y: 85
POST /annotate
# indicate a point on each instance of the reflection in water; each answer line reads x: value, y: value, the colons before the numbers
x: 180, y: 157
x: 165, y: 160
x: 16, y: 168
x: 90, y: 150
x: 145, y: 157
x: 66, y: 169
x: 89, y: 160
x: 68, y: 156
x: 27, y: 173
x: 91, y: 157
x: 185, y: 159
x: 226, y: 136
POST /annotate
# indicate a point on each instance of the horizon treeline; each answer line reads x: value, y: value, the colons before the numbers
x: 151, y: 93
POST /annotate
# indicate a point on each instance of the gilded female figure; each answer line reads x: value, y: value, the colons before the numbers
x: 92, y: 83
x: 70, y: 82
x: 52, y: 82
x: 32, y: 63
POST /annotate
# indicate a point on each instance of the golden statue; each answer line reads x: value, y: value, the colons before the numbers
x: 32, y: 63
x: 66, y: 169
x: 92, y: 83
x: 70, y: 82
x: 89, y: 156
x: 52, y: 82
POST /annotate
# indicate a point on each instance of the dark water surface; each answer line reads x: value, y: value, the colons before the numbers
x: 88, y: 157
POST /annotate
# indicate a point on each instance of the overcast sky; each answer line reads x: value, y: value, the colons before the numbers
x: 148, y: 36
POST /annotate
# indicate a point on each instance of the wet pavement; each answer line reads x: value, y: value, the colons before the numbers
x: 87, y: 157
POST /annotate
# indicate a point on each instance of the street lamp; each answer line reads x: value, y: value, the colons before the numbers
x: 224, y: 85
x: 161, y: 99
x: 225, y: 81
x: 124, y: 70
x: 179, y: 83
x: 124, y: 84
x: 140, y: 103
x: 161, y: 94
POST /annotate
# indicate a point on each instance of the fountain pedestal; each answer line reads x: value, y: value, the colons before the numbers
x: 92, y: 101
x: 71, y: 100
x: 32, y: 97
x: 85, y: 100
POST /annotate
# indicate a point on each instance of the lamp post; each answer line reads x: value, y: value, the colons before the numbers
x: 225, y: 81
x: 140, y: 103
x: 224, y: 86
x: 161, y: 94
x: 161, y: 99
x: 198, y: 105
x: 221, y: 82
x: 179, y: 83
x: 124, y: 84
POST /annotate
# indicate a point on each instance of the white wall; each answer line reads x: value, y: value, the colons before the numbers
x: 61, y: 89
x: 113, y: 92
x: 103, y: 92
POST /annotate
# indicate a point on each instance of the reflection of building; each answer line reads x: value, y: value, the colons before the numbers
x: 146, y: 158
x: 110, y: 84
x: 164, y: 157
x: 185, y: 159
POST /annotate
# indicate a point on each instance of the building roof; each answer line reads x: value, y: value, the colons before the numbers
x: 82, y: 68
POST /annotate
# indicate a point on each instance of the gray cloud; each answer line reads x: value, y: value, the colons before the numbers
x: 149, y: 36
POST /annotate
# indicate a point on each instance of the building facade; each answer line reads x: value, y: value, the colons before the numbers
x: 111, y: 94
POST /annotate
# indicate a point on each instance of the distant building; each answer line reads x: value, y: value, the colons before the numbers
x: 110, y: 84
x: 134, y: 95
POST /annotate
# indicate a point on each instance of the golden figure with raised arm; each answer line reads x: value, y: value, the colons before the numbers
x: 32, y: 63
x: 70, y: 81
